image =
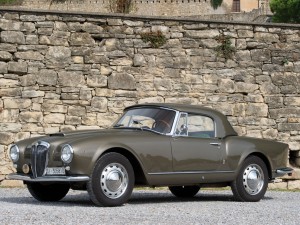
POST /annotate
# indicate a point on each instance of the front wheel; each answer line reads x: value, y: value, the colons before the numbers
x: 112, y: 180
x: 252, y: 181
x: 184, y: 191
x: 48, y: 192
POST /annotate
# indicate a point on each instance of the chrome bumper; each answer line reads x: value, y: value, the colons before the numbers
x: 16, y: 176
x: 283, y: 171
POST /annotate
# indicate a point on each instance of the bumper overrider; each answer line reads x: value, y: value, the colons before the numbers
x: 17, y: 176
x: 284, y: 171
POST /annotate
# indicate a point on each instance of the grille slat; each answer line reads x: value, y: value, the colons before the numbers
x: 39, y: 158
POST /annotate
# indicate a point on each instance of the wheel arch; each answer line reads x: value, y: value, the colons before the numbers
x: 140, y: 178
x: 265, y: 160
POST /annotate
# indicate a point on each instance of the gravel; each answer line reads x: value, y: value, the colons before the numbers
x: 151, y: 207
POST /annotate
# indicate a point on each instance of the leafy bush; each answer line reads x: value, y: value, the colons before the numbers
x: 285, y: 11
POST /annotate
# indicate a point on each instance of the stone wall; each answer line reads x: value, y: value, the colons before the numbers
x: 63, y: 71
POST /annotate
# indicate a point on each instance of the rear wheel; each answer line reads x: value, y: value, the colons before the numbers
x: 184, y: 191
x: 112, y: 180
x: 252, y: 180
x: 48, y: 192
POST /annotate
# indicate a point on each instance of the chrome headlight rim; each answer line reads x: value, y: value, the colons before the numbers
x: 14, y: 158
x: 67, y: 153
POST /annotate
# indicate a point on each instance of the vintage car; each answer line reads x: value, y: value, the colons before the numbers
x: 183, y: 147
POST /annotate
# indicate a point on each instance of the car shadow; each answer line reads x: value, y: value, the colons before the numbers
x: 153, y: 197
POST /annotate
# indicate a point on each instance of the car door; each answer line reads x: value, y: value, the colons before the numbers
x: 194, y: 146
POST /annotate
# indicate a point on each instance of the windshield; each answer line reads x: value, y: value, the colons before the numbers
x: 155, y: 119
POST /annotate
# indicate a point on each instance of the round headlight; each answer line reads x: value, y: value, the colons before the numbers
x: 67, y: 153
x: 14, y: 153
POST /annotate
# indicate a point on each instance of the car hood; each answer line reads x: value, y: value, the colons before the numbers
x: 57, y: 139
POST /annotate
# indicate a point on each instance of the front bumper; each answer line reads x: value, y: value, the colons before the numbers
x: 16, y: 176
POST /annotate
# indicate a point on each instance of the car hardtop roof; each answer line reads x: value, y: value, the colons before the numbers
x: 179, y: 107
x: 224, y: 127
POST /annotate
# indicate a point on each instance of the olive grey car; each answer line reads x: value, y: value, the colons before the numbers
x: 183, y: 147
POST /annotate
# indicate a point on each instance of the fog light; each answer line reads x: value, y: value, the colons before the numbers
x: 25, y: 168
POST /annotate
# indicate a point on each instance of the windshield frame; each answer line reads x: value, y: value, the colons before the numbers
x: 173, y: 125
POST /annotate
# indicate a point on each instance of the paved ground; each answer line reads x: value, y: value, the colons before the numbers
x: 151, y: 207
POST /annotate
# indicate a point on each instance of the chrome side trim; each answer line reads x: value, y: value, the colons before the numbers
x: 15, y: 176
x: 283, y: 171
x: 190, y: 172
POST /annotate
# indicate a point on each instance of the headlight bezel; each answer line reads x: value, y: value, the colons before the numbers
x: 67, y: 153
x: 17, y: 153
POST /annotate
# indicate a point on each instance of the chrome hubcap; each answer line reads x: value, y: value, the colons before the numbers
x: 114, y: 180
x: 253, y: 179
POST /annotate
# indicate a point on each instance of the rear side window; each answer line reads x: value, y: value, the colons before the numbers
x: 200, y: 126
x: 193, y: 125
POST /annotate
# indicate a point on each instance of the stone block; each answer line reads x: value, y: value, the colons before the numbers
x: 161, y: 84
x: 76, y: 111
x: 151, y: 100
x: 29, y: 55
x: 6, y: 138
x: 32, y: 94
x: 226, y: 86
x: 202, y: 33
x: 261, y: 55
x: 58, y: 56
x: 31, y: 117
x: 257, y: 109
x: 10, y: 127
x: 16, y: 103
x: 12, y: 183
x: 8, y: 82
x: 10, y: 92
x: 71, y: 79
x: 32, y: 18
x: 122, y: 81
x: 289, y: 126
x: 52, y: 107
x: 9, y: 115
x: 97, y: 81
x: 13, y: 37
x: 85, y: 94
x: 270, y: 134
x: 5, y: 56
x: 47, y: 77
x: 266, y: 37
x: 139, y: 60
x: 293, y: 185
x: 245, y: 87
x: 28, y: 80
x: 56, y: 118
x: 17, y: 67
x: 81, y: 39
x: 73, y: 120
x: 99, y: 104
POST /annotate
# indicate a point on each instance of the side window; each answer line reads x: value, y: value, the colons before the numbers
x: 200, y: 126
x: 181, y: 128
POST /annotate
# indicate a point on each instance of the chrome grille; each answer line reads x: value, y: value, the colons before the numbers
x: 39, y: 158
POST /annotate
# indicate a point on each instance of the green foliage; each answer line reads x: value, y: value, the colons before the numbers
x: 224, y: 49
x: 10, y: 2
x: 285, y: 11
x: 157, y: 39
x: 216, y: 3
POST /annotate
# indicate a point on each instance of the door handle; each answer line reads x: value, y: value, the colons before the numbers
x: 215, y: 144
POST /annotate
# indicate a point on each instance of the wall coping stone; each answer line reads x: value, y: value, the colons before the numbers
x: 138, y: 17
